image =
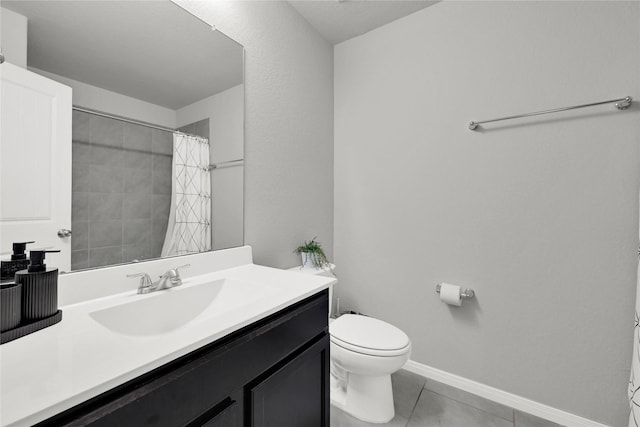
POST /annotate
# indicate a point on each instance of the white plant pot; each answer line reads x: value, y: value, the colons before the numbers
x: 307, y: 260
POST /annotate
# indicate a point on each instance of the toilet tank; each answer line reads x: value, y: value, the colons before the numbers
x: 326, y: 271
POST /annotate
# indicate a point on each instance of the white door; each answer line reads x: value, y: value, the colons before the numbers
x: 35, y: 163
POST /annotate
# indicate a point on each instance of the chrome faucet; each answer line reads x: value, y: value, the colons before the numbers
x: 168, y: 280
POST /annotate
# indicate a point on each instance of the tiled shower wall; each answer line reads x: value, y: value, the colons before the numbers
x: 121, y: 191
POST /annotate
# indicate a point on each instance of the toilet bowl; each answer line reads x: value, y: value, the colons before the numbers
x: 364, y: 353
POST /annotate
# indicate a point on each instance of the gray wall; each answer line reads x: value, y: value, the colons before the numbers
x: 288, y: 125
x: 224, y: 114
x: 539, y: 216
x: 121, y: 191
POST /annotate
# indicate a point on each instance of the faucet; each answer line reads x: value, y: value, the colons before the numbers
x: 169, y: 279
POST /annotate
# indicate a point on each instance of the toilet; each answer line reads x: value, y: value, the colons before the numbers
x: 364, y: 353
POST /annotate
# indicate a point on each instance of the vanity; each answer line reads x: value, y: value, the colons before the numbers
x: 236, y: 344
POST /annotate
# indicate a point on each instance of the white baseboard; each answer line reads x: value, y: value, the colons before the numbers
x: 508, y: 399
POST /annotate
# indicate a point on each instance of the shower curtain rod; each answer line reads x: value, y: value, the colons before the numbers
x: 135, y: 122
x: 228, y: 163
x: 621, y: 104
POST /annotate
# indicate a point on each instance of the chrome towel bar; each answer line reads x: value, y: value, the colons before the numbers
x: 621, y: 104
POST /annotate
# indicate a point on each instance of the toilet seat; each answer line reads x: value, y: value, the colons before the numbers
x: 370, y: 351
x: 370, y: 336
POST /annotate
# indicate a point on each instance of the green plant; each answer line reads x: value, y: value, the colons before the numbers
x: 314, y: 252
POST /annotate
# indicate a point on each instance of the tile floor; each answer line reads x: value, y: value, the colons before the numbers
x: 426, y: 403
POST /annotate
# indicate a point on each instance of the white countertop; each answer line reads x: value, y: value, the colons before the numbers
x: 54, y: 369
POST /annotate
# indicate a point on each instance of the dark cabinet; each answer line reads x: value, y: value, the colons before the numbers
x: 227, y: 417
x: 296, y: 394
x: 274, y: 372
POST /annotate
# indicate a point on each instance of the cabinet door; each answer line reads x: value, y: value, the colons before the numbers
x: 297, y: 394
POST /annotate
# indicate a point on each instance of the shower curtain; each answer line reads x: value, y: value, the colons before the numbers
x: 634, y: 380
x: 189, y: 227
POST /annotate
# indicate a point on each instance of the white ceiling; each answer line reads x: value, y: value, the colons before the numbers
x: 137, y: 48
x: 151, y: 50
x: 338, y: 21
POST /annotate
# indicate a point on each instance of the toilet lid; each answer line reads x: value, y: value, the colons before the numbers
x: 368, y: 333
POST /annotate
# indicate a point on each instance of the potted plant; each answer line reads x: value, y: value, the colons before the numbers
x: 312, y: 255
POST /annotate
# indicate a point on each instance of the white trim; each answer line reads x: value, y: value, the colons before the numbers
x: 505, y: 398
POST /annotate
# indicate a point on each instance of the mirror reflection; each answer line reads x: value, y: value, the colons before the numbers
x: 123, y: 122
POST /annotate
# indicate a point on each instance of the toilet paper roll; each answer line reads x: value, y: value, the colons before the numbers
x: 450, y: 294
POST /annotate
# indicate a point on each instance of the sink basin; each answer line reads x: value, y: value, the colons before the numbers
x: 165, y: 311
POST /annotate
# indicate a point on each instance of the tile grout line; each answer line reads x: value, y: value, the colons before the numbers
x: 471, y: 406
x: 415, y: 405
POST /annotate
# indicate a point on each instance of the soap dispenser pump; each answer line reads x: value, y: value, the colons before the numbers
x: 19, y: 261
x: 39, y: 287
x: 37, y: 264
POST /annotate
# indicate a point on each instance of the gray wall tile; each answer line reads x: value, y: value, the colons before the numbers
x: 137, y: 159
x: 79, y: 259
x: 79, y: 206
x: 105, y: 206
x: 106, y: 156
x: 137, y: 232
x: 80, y: 177
x: 162, y: 163
x: 161, y: 206
x: 80, y: 152
x: 137, y: 206
x: 137, y: 180
x: 80, y: 123
x: 158, y: 233
x: 202, y: 128
x: 136, y: 252
x: 113, y: 185
x: 80, y: 236
x: 137, y: 137
x: 105, y: 256
x: 105, y: 131
x: 105, y: 233
x: 105, y: 179
x: 162, y: 142
x: 190, y: 128
x: 162, y: 175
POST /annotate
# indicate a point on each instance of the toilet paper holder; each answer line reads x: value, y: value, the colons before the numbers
x: 464, y: 294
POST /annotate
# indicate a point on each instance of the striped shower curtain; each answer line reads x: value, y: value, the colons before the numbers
x: 189, y: 226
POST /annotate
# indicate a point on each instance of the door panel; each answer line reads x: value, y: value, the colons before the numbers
x: 296, y: 394
x: 35, y: 162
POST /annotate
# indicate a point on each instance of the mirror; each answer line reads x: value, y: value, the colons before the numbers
x: 157, y: 132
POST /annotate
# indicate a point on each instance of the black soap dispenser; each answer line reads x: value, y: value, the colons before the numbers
x: 39, y: 288
x: 19, y: 261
